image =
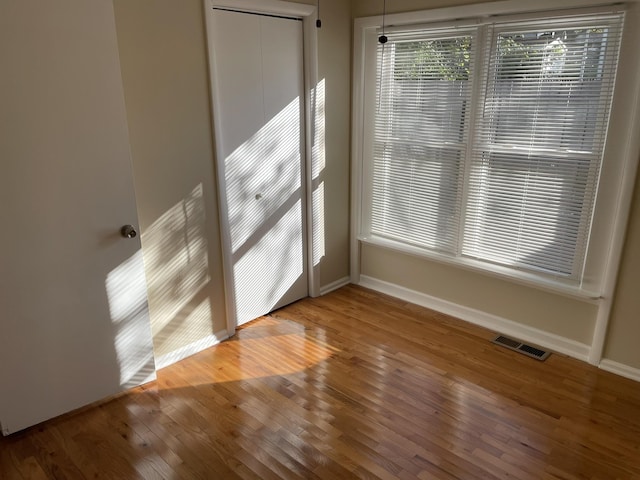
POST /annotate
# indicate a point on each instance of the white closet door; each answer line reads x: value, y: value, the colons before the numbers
x: 257, y: 76
x: 74, y: 326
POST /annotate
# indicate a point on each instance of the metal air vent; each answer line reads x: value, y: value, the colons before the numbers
x: 520, y: 347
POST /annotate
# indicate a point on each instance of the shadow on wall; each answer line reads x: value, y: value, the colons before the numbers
x: 266, y: 245
x: 177, y: 271
x: 129, y: 311
x: 318, y: 163
x: 265, y: 199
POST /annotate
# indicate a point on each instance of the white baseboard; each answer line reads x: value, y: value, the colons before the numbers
x: 335, y: 285
x: 621, y: 369
x: 191, y: 349
x: 492, y: 322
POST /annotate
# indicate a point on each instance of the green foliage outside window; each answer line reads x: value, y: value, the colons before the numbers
x: 443, y: 59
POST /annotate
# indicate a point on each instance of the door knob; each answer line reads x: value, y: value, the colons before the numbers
x: 128, y: 231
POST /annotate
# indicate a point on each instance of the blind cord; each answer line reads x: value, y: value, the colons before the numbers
x: 382, y: 39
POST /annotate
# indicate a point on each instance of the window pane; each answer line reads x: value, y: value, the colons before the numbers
x: 539, y: 146
x: 528, y: 211
x: 420, y: 139
x: 415, y: 195
x: 547, y: 87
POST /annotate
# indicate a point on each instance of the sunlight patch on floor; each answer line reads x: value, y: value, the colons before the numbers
x: 271, y: 351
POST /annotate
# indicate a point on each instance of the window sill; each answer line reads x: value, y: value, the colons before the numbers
x: 558, y: 287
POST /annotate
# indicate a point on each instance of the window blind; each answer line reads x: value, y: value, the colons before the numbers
x: 539, y: 143
x: 420, y: 139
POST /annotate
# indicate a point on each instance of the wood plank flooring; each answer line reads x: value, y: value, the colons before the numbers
x: 351, y: 385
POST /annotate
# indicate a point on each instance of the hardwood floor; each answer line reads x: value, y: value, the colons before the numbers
x: 350, y: 385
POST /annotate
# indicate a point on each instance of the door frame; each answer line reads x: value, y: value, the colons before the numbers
x: 306, y: 13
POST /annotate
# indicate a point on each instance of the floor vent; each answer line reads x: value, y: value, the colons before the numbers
x: 523, y: 348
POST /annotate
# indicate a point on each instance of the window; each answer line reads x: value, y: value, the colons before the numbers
x: 421, y: 136
x: 487, y: 142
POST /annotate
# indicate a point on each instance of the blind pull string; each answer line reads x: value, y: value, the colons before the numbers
x: 382, y: 39
x: 318, y: 21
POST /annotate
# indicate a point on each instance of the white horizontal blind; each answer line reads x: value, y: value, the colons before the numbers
x: 420, y: 139
x: 539, y: 143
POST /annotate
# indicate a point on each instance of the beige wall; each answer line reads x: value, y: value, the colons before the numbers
x: 334, y: 66
x: 164, y: 70
x: 624, y: 328
x: 553, y: 313
x: 165, y: 74
x: 556, y: 314
x: 367, y: 8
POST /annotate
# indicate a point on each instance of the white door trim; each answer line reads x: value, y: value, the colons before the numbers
x: 307, y: 13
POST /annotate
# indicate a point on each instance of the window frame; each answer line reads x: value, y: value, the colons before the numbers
x: 615, y: 188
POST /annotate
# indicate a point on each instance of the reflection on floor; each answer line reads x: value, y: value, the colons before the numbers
x: 350, y: 385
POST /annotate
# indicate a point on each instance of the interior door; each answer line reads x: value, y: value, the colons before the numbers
x: 74, y: 326
x: 257, y: 77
